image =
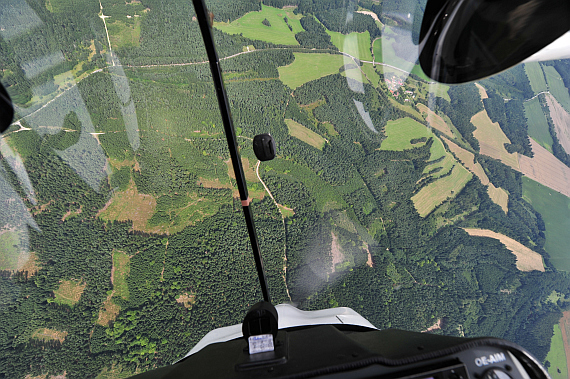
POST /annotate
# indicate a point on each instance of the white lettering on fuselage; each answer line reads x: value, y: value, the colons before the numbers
x: 488, y: 360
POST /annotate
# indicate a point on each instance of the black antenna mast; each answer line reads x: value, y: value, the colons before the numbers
x: 204, y: 20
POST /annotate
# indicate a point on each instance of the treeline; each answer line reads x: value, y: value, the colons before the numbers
x: 557, y: 149
x: 562, y: 66
x: 510, y: 84
x: 465, y: 103
x: 511, y: 118
x: 346, y: 21
x: 315, y: 35
x: 171, y: 35
x: 53, y: 45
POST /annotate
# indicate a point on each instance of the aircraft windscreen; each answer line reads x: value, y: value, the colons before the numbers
x: 421, y: 206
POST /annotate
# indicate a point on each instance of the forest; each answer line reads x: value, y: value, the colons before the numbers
x: 121, y: 255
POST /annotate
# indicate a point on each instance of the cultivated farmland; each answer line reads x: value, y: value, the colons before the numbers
x: 435, y: 193
x: 527, y: 260
x: 498, y: 195
x: 556, y: 87
x: 535, y: 76
x: 561, y: 120
x: 553, y: 207
x: 546, y: 169
x: 435, y: 121
x: 468, y: 160
x: 482, y: 91
x: 492, y: 139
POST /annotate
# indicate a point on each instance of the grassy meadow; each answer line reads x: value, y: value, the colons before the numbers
x: 537, y: 124
x: 307, y: 67
x: 554, y: 208
x: 250, y: 26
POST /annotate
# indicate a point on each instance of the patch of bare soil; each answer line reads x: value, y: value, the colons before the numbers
x: 248, y: 170
x: 435, y: 326
x: 371, y: 14
x: 108, y: 312
x: 482, y: 91
x: 546, y: 169
x: 336, y: 253
x: 369, y: 261
x: 186, y: 299
x: 492, y: 140
x: 213, y: 183
x: 49, y: 334
x: 72, y: 213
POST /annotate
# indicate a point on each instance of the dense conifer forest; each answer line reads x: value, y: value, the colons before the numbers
x: 123, y: 243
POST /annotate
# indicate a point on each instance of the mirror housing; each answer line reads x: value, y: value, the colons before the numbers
x: 467, y: 40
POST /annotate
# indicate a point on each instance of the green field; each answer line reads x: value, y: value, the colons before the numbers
x: 304, y: 134
x: 417, y: 70
x: 307, y: 67
x: 399, y: 134
x: 554, y: 208
x: 556, y: 87
x: 69, y: 292
x: 327, y: 197
x: 371, y: 74
x: 355, y: 44
x: 250, y: 26
x: 120, y: 273
x: 535, y: 76
x: 10, y: 250
x: 557, y: 356
x: 385, y: 52
x: 440, y: 90
x: 124, y: 34
x: 435, y: 193
x: 537, y: 125
x: 401, y: 131
x: 437, y: 151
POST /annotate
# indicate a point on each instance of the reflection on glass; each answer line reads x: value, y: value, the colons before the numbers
x: 419, y: 205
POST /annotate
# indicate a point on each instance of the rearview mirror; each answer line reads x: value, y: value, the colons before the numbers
x: 466, y: 40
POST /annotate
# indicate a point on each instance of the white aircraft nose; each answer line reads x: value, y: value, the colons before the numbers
x: 559, y: 49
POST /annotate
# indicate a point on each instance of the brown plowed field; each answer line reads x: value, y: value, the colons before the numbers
x: 498, y: 195
x: 492, y: 139
x: 527, y: 260
x: 561, y: 120
x: 546, y: 169
x: 435, y: 120
x: 468, y: 160
x: 482, y: 91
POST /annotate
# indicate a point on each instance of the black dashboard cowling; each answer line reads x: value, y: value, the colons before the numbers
x: 344, y: 351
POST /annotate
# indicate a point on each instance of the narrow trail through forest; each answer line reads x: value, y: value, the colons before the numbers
x: 284, y: 229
